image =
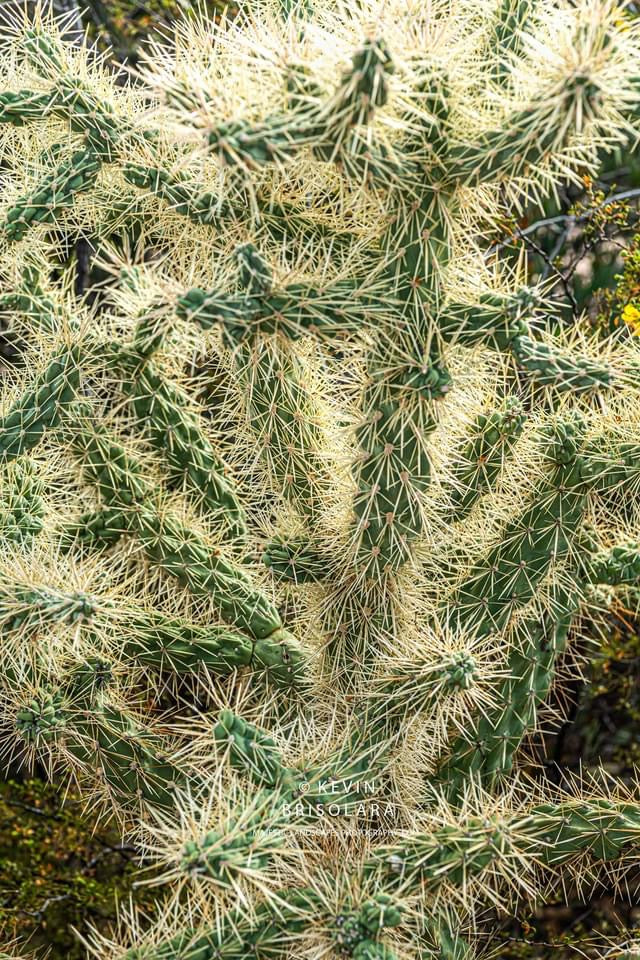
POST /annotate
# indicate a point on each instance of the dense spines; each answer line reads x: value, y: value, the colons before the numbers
x: 480, y: 461
x: 618, y: 566
x: 487, y: 749
x: 98, y: 738
x: 21, y: 505
x: 507, y: 579
x: 437, y: 582
x: 325, y: 127
x: 52, y: 195
x: 295, y: 559
x: 393, y: 469
x: 179, y: 551
x: 180, y: 647
x: 42, y: 407
x: 161, y: 409
x: 458, y: 853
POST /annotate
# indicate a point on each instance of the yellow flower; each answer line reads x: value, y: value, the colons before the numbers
x: 631, y: 316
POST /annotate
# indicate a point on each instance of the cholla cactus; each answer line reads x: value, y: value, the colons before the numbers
x: 291, y: 611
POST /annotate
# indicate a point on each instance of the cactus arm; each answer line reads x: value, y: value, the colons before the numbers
x: 295, y: 311
x: 552, y: 833
x: 269, y: 934
x: 445, y: 942
x: 295, y: 559
x: 21, y: 505
x: 99, y: 529
x: 184, y: 554
x: 184, y: 648
x: 160, y: 407
x: 55, y: 192
x: 549, y: 367
x: 252, y: 751
x: 179, y: 551
x: 284, y: 419
x: 86, y: 114
x: 393, y: 469
x: 325, y: 128
x: 488, y: 749
x: 129, y: 759
x: 183, y: 195
x: 480, y: 461
x: 101, y: 738
x: 338, y: 780
x: 498, y: 322
x: 25, y: 608
x: 505, y: 41
x: 41, y: 408
x: 23, y: 107
x: 281, y: 407
x: 619, y: 566
x: 529, y: 135
x: 507, y: 578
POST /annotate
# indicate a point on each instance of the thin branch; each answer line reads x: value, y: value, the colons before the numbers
x: 566, y: 219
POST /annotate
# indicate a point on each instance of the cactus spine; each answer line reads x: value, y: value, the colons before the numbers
x: 342, y: 578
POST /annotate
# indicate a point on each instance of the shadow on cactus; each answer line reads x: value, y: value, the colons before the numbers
x: 296, y: 640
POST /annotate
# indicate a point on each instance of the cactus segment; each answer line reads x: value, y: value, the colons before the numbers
x: 185, y: 555
x: 101, y: 737
x: 295, y: 559
x: 616, y: 567
x: 251, y: 751
x: 42, y: 407
x: 98, y: 530
x: 184, y: 648
x: 324, y: 128
x: 556, y: 832
x: 23, y: 107
x: 54, y: 193
x: 24, y: 608
x: 481, y: 460
x: 488, y: 748
x: 550, y: 368
x: 268, y: 935
x: 543, y: 534
x: 161, y: 409
x: 528, y: 135
x: 21, y: 505
x: 183, y: 195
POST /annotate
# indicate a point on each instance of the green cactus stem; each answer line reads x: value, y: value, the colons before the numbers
x: 552, y: 834
x: 42, y: 407
x: 28, y: 608
x: 54, y: 193
x: 536, y: 645
x: 617, y: 567
x: 324, y: 128
x: 479, y: 463
x: 269, y: 934
x: 23, y: 107
x: 543, y: 534
x: 21, y: 505
x: 295, y: 559
x: 183, y: 553
x: 183, y: 648
x: 161, y: 410
x: 528, y: 135
x: 97, y: 530
x: 124, y: 756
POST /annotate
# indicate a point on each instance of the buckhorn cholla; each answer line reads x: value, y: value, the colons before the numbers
x: 351, y: 547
